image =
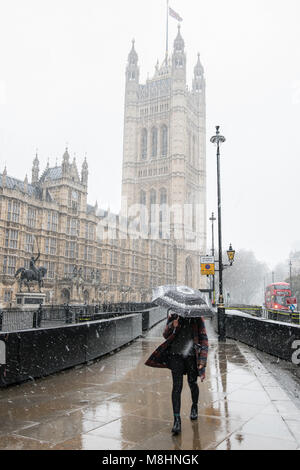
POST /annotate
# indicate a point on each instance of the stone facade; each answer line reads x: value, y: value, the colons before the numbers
x: 49, y: 215
x: 94, y: 256
x: 165, y: 154
x: 90, y: 257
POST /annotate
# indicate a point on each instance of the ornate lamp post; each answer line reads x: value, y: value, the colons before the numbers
x: 231, y: 254
x: 213, y: 219
x: 217, y: 140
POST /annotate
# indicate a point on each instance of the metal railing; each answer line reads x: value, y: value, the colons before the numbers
x: 254, y: 310
x: 284, y: 316
x: 54, y: 315
x: 269, y: 314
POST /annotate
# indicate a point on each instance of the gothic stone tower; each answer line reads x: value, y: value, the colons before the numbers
x: 164, y: 159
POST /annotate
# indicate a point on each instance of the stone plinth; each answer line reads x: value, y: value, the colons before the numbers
x: 30, y: 300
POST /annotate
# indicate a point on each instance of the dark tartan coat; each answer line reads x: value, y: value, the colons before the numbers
x: 160, y: 357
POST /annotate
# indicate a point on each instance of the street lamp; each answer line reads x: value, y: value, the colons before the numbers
x: 231, y: 254
x: 213, y: 219
x: 217, y: 140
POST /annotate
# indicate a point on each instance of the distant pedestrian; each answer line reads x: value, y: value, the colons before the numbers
x: 184, y: 353
x: 68, y: 314
x: 39, y: 316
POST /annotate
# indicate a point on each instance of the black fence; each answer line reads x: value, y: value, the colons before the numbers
x: 268, y: 314
x: 284, y: 316
x: 58, y: 315
x: 253, y: 310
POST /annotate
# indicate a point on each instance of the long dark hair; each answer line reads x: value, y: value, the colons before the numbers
x: 174, y: 315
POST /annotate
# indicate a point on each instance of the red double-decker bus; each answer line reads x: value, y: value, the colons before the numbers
x: 278, y: 296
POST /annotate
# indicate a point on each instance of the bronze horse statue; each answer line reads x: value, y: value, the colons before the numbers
x: 29, y: 275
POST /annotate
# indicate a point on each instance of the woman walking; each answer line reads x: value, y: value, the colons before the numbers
x: 185, y: 353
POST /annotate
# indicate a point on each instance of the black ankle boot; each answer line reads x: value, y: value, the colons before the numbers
x: 177, y: 425
x: 194, y: 412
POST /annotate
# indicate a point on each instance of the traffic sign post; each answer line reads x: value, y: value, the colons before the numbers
x: 207, y: 266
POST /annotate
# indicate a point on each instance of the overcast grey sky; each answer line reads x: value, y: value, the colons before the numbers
x: 62, y: 76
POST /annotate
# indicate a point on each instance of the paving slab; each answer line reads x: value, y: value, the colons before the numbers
x: 117, y: 403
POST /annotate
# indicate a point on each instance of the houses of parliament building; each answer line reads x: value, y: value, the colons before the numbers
x: 160, y: 233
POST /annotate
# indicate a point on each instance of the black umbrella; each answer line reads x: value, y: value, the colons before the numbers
x: 186, y: 302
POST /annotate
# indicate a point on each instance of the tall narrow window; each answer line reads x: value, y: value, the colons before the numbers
x: 194, y: 151
x: 13, y: 213
x: 152, y: 206
x: 29, y: 243
x: 11, y: 239
x: 144, y: 145
x: 152, y: 197
x: 163, y: 196
x: 143, y: 198
x: 194, y: 214
x: 154, y: 142
x: 188, y: 272
x: 163, y: 214
x: 143, y: 212
x: 164, y: 141
x: 31, y: 217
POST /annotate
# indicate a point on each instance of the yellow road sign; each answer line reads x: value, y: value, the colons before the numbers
x: 207, y: 269
x: 207, y: 266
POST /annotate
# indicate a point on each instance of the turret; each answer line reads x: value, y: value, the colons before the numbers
x: 65, y: 163
x: 84, y: 173
x: 26, y: 184
x: 132, y: 70
x: 4, y: 177
x: 35, y: 170
x: 179, y: 57
x: 198, y: 81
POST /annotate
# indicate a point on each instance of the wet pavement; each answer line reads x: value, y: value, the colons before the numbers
x: 118, y: 403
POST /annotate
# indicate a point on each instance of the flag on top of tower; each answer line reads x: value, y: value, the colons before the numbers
x: 174, y: 14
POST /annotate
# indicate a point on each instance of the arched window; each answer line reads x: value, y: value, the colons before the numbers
x: 143, y: 198
x: 154, y: 142
x: 152, y: 208
x: 189, y: 147
x: 152, y: 197
x: 163, y: 196
x: 144, y: 144
x: 194, y: 151
x: 163, y: 229
x: 65, y: 296
x: 194, y: 214
x: 179, y: 63
x: 164, y: 141
x: 189, y: 272
x: 143, y: 226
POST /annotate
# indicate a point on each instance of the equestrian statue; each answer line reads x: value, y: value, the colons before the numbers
x: 33, y: 274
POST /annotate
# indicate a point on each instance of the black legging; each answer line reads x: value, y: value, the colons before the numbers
x: 180, y: 364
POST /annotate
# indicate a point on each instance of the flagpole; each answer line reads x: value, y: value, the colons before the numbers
x: 167, y: 39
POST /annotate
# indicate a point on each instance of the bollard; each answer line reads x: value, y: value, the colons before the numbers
x: 68, y: 314
x: 1, y: 320
x: 39, y: 316
x: 34, y: 320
